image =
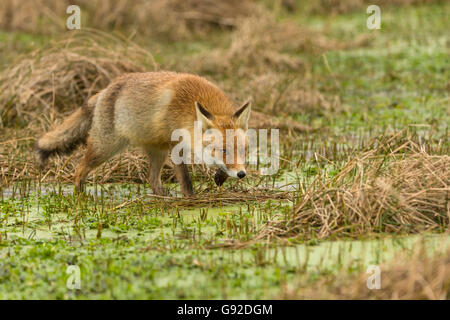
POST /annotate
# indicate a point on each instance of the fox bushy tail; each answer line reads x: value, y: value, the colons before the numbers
x: 66, y: 137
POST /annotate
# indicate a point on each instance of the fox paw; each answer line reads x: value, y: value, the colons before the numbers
x: 161, y: 192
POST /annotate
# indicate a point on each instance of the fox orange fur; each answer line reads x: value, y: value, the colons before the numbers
x: 143, y: 109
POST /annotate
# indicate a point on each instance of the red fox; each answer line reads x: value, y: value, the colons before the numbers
x: 143, y: 109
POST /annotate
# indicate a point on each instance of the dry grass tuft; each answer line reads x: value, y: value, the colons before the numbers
x: 61, y: 77
x: 395, y: 185
x: 420, y: 277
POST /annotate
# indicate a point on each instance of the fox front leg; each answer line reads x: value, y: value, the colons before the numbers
x: 220, y: 177
x: 184, y: 179
x: 157, y: 160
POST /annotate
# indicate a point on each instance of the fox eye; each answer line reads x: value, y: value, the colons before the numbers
x: 224, y: 151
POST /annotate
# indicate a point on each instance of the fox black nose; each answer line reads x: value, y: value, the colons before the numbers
x: 241, y: 174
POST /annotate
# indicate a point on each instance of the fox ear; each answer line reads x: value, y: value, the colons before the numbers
x: 203, y: 115
x: 242, y: 115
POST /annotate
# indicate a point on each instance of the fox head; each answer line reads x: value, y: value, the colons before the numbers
x: 225, y: 137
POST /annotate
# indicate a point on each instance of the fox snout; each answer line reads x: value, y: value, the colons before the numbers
x: 241, y: 174
x: 233, y: 172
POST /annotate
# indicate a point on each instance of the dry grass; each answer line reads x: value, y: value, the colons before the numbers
x: 342, y: 7
x: 59, y: 78
x: 395, y: 185
x: 169, y: 18
x: 199, y: 16
x: 262, y: 43
x: 281, y: 95
x: 210, y: 198
x: 420, y: 277
x: 267, y: 54
x: 173, y: 19
x: 33, y: 15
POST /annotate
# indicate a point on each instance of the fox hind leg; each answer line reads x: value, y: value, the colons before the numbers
x: 95, y: 156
